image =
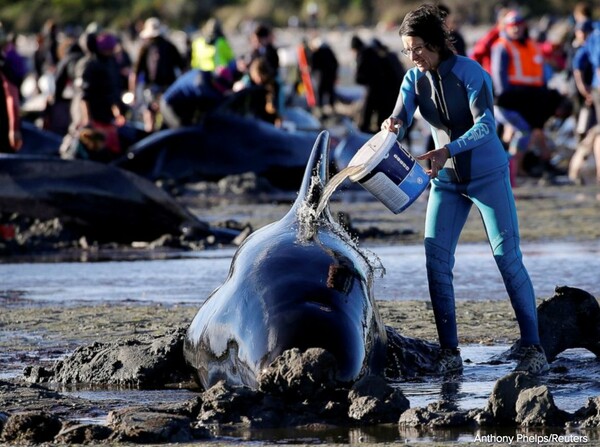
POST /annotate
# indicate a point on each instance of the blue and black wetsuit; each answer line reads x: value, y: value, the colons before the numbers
x: 457, y: 102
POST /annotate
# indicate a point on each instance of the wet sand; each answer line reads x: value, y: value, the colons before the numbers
x: 556, y: 213
x: 52, y: 330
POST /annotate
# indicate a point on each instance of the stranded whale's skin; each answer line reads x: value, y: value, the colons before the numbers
x: 289, y: 290
x: 95, y: 200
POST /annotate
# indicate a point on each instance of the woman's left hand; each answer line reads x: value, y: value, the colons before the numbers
x: 438, y: 158
x: 392, y: 124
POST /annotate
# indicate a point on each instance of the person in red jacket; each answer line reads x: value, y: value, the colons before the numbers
x: 482, y: 50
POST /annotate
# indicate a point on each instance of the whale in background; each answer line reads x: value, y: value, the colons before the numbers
x: 96, y: 200
x: 299, y: 282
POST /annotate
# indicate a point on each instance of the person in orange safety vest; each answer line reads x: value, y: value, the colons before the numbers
x: 523, y: 102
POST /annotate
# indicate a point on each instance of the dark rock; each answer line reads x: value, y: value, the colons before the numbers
x: 451, y: 419
x: 436, y: 415
x: 588, y: 416
x: 226, y: 404
x: 31, y: 426
x: 22, y: 397
x: 481, y: 417
x: 503, y: 400
x: 415, y: 417
x: 295, y: 373
x: 37, y: 374
x: 270, y: 412
x: 188, y: 408
x: 373, y: 400
x: 535, y: 407
x: 140, y: 426
x: 141, y: 362
x: 83, y: 434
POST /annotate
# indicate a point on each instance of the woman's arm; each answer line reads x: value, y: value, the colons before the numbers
x: 406, y: 104
x: 478, y: 87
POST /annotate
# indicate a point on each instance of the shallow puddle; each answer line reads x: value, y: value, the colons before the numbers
x: 574, y: 376
x: 191, y: 277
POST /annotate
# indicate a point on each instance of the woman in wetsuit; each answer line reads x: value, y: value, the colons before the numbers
x: 469, y: 166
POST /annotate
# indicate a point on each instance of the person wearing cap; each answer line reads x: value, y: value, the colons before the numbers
x: 524, y: 103
x: 157, y: 66
x: 469, y: 167
x: 194, y: 93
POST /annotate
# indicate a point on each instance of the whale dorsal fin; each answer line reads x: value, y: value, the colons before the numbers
x: 315, y: 176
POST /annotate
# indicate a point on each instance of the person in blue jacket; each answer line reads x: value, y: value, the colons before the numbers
x: 469, y: 167
x: 591, y: 50
x: 194, y: 93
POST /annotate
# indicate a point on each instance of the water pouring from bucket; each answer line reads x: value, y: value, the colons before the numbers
x: 385, y: 169
x: 389, y: 172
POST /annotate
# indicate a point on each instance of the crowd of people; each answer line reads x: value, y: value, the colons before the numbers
x: 527, y: 108
x: 170, y: 86
x: 94, y: 84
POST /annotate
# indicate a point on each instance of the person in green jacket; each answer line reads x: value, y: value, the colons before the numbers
x: 211, y: 50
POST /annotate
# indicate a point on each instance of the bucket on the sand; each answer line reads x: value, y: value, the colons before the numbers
x: 389, y: 172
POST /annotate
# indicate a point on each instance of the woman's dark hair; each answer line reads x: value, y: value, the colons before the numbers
x: 427, y: 22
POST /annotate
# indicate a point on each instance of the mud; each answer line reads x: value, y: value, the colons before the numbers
x: 42, y: 334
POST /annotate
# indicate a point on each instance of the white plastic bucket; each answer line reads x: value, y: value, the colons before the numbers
x: 389, y: 172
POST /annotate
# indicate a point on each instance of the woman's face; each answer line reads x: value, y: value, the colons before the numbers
x: 420, y: 55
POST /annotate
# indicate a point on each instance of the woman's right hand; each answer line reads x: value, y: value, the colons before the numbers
x: 392, y: 124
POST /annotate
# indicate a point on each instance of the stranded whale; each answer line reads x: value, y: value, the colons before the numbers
x: 299, y: 282
x: 95, y: 200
